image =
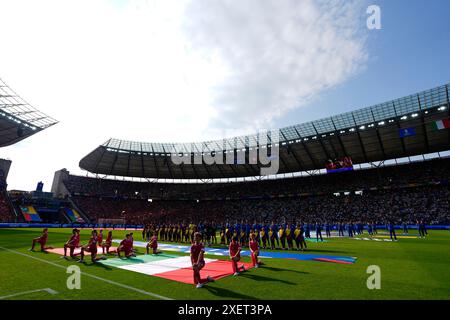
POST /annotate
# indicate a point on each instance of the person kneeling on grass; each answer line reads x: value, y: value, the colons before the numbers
x: 198, y: 261
x: 254, y: 249
x: 100, y: 238
x: 154, y: 245
x: 235, y: 256
x: 126, y: 246
x: 91, y: 247
x: 42, y: 240
x: 107, y: 244
x: 72, y: 243
x: 132, y: 244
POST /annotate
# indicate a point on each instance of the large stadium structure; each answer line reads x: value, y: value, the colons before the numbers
x: 399, y: 128
x: 18, y: 119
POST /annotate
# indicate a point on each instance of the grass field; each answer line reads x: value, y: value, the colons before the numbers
x: 411, y: 268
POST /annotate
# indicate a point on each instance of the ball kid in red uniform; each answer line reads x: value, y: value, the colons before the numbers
x: 42, y: 240
x: 126, y: 246
x: 72, y: 243
x: 198, y: 261
x: 108, y: 242
x: 235, y: 255
x: 100, y: 238
x: 153, y: 244
x: 254, y: 249
x: 91, y: 247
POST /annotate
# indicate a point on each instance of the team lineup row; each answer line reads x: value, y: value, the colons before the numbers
x: 126, y: 247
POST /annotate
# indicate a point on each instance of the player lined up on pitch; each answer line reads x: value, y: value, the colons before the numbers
x: 197, y: 251
x: 72, y: 244
x: 153, y: 244
x: 91, y: 247
x: 198, y: 261
x: 126, y: 246
x: 42, y: 240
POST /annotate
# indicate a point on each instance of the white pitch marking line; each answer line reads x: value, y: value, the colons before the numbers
x: 50, y: 291
x: 91, y: 276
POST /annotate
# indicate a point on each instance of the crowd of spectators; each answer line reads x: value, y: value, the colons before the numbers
x: 427, y: 172
x: 5, y: 209
x: 404, y: 193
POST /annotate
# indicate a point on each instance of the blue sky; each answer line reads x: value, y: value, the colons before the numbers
x: 410, y: 53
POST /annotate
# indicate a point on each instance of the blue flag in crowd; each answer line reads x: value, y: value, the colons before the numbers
x: 406, y: 132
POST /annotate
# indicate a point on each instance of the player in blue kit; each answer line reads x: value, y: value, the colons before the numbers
x: 328, y: 230
x: 392, y: 234
x: 319, y: 231
x: 341, y: 228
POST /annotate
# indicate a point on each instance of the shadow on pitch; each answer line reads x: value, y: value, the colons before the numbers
x: 283, y: 270
x: 310, y: 250
x: 225, y: 293
x: 97, y: 265
x: 262, y: 278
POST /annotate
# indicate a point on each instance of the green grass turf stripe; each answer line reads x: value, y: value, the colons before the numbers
x: 315, y: 240
x: 117, y: 262
x: 412, y: 269
x: 90, y: 275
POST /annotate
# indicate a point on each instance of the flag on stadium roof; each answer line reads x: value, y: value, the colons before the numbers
x: 441, y: 124
x: 406, y: 132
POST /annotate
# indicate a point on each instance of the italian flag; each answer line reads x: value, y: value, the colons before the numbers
x: 173, y: 267
x: 441, y: 124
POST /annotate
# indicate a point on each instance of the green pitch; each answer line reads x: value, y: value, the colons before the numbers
x: 410, y: 269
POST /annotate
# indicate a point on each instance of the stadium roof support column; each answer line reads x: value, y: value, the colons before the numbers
x: 181, y: 165
x: 154, y: 161
x: 287, y: 144
x: 284, y: 163
x: 116, y: 155
x: 320, y: 141
x: 380, y: 141
x: 142, y: 161
x: 204, y: 166
x: 252, y: 170
x: 192, y: 155
x: 100, y: 159
x: 336, y: 154
x: 231, y: 166
x: 448, y: 106
x: 292, y: 151
x: 219, y: 168
x: 424, y: 127
x: 339, y: 137
x: 448, y: 96
x: 306, y: 149
x: 399, y: 127
x: 167, y: 162
x: 128, y: 163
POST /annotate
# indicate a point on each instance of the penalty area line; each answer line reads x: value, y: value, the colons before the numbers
x: 91, y: 275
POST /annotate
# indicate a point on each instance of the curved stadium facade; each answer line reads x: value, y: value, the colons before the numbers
x: 366, y: 135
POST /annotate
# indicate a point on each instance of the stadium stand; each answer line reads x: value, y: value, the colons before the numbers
x: 404, y: 192
x: 404, y: 127
x: 224, y: 191
x: 432, y: 171
x: 6, y: 214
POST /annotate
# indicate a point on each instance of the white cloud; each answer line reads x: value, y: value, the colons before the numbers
x: 165, y: 70
x: 279, y: 54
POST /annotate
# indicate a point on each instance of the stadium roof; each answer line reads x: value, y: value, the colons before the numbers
x: 18, y: 119
x: 366, y: 135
